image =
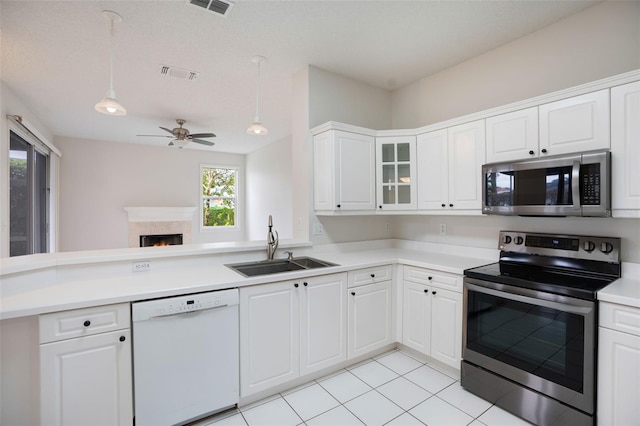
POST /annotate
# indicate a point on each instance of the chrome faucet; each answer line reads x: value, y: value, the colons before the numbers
x: 272, y: 241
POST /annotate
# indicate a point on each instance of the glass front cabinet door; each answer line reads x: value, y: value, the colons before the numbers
x: 396, y: 174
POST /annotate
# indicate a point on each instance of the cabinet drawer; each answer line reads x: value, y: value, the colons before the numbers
x: 84, y: 322
x: 370, y: 275
x: 436, y: 279
x: 620, y: 317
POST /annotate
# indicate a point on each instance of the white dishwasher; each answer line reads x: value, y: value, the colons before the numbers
x: 185, y: 357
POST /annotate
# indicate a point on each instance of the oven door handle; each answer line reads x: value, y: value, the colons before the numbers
x: 580, y: 310
x: 575, y: 184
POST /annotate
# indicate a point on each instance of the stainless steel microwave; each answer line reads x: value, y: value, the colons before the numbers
x: 571, y: 185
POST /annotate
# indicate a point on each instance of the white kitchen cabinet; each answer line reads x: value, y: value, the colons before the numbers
x: 289, y: 329
x: 396, y: 173
x: 432, y: 314
x: 576, y: 124
x: 513, y: 136
x: 344, y: 171
x: 625, y: 150
x: 449, y: 164
x: 86, y: 379
x: 618, y: 365
x: 370, y: 318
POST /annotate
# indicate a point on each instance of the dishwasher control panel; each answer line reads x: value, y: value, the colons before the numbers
x: 183, y: 304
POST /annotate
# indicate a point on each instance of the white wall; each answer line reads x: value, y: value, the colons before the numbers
x: 321, y: 96
x: 599, y: 42
x: 98, y: 179
x: 268, y: 190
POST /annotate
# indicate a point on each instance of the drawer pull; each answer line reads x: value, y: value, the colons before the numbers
x: 429, y: 278
x: 426, y: 290
x: 433, y: 292
x: 296, y: 285
x: 122, y: 338
x: 373, y: 275
x: 305, y: 283
x: 87, y: 323
x: 353, y: 293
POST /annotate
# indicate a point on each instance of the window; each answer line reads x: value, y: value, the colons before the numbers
x: 28, y: 197
x: 219, y: 196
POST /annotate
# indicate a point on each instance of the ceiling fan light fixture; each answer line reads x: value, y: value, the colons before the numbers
x: 110, y: 105
x: 257, y: 128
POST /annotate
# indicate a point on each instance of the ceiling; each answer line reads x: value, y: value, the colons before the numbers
x: 55, y: 57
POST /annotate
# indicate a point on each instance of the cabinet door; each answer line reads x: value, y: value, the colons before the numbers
x: 416, y: 317
x: 323, y: 322
x: 513, y: 136
x: 355, y: 165
x: 433, y: 170
x: 625, y: 150
x: 370, y: 315
x: 466, y: 157
x: 87, y: 380
x: 269, y: 330
x: 575, y: 124
x: 618, y: 378
x: 396, y: 175
x: 446, y: 331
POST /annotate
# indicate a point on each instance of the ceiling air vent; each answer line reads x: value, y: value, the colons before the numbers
x: 219, y: 7
x: 169, y: 71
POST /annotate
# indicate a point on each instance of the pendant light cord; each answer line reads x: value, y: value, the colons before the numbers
x: 258, y: 94
x: 111, y: 65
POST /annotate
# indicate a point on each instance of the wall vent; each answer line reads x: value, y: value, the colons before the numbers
x: 169, y: 71
x: 219, y: 7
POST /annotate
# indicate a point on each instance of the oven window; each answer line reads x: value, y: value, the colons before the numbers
x: 538, y: 187
x: 542, y: 341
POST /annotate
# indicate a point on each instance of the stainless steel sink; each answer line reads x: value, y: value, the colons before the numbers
x: 267, y: 267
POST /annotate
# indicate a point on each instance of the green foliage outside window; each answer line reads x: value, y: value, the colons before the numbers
x: 219, y: 196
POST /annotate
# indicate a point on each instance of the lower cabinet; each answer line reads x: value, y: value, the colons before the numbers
x: 432, y: 314
x: 370, y: 313
x: 289, y: 329
x: 85, y: 365
x: 618, y: 365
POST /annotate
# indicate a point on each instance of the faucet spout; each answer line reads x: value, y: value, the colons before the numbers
x: 272, y: 240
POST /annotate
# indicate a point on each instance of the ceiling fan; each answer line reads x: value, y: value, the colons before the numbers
x: 181, y: 135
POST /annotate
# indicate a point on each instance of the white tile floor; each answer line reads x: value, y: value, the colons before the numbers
x: 390, y: 389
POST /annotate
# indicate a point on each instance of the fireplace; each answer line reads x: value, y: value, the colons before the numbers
x: 160, y: 240
x: 162, y: 222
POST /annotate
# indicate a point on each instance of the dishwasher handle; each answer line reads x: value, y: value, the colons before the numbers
x: 188, y: 312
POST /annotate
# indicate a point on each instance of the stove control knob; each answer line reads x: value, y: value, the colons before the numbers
x: 506, y: 239
x: 606, y: 248
x: 518, y: 240
x: 588, y: 246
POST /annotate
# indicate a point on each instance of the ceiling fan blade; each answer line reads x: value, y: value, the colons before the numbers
x: 202, y: 135
x: 157, y: 136
x: 203, y: 142
x: 166, y: 130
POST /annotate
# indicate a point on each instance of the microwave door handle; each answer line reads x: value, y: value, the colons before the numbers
x: 575, y: 184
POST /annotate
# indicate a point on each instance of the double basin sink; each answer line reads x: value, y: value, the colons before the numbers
x: 267, y: 267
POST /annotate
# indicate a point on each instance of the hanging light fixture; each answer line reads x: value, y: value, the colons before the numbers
x: 109, y: 104
x: 256, y: 128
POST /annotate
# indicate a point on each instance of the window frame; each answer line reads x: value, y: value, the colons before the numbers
x: 236, y: 199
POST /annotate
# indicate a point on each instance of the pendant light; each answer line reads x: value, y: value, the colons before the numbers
x: 256, y: 128
x: 109, y: 104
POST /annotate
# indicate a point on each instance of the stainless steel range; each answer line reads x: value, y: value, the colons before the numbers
x: 530, y: 325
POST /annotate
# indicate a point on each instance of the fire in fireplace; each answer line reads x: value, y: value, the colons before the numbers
x: 160, y: 240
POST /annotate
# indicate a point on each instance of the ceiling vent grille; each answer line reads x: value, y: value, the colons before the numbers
x: 219, y: 7
x: 169, y: 71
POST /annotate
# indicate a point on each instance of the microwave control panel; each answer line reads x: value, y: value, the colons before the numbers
x: 590, y: 184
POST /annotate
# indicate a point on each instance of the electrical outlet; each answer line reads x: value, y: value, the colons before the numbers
x: 141, y: 266
x: 443, y: 229
x: 299, y: 223
x: 318, y: 229
x: 387, y: 227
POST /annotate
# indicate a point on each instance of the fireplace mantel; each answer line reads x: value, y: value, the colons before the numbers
x: 160, y: 214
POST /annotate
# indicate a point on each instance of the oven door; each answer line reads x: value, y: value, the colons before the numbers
x: 543, y: 341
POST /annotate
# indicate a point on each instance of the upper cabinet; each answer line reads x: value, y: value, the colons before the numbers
x: 449, y: 164
x: 576, y: 124
x: 625, y: 150
x: 396, y: 173
x: 513, y: 136
x: 344, y: 173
